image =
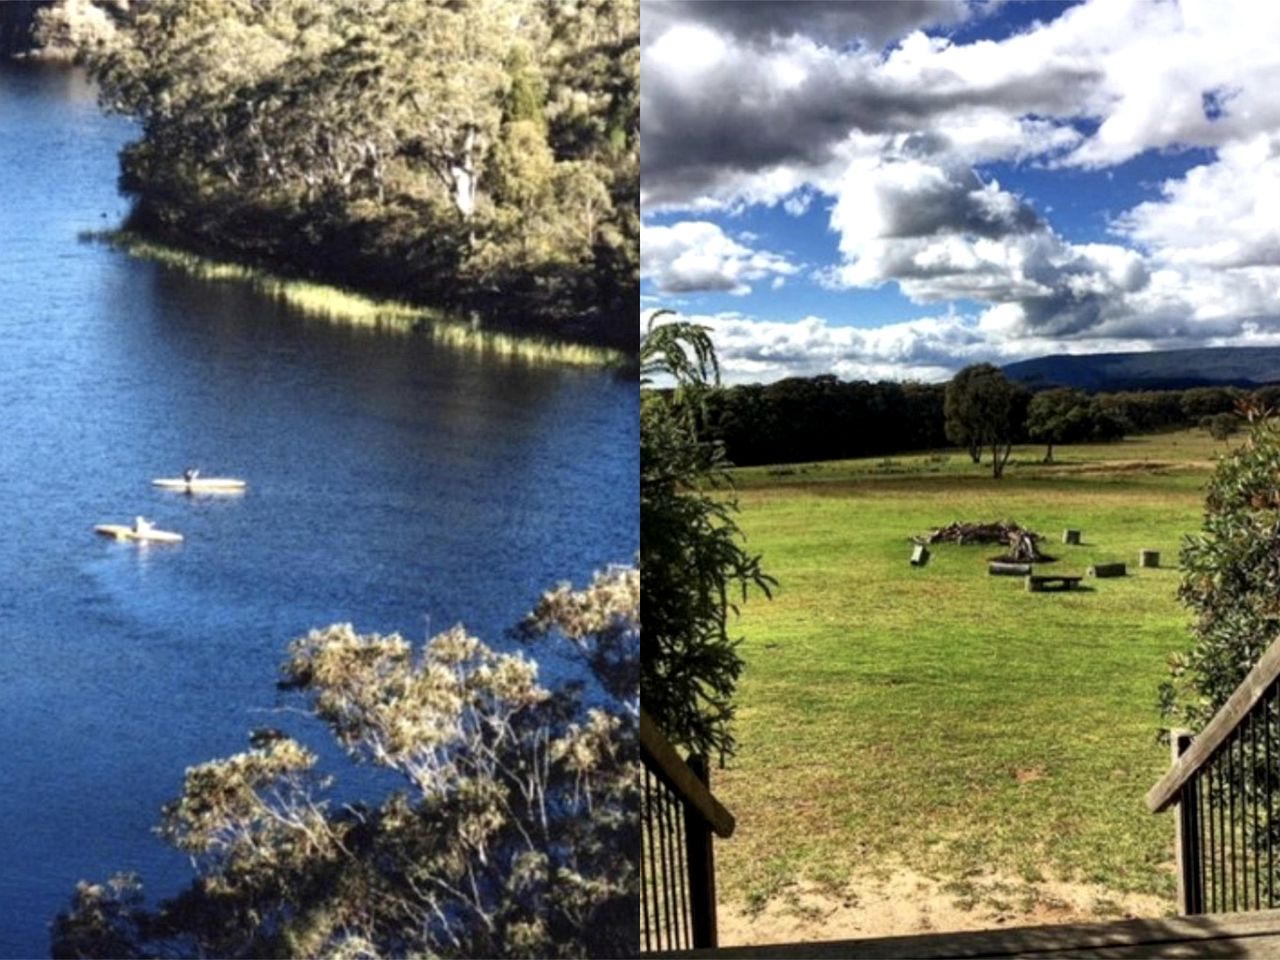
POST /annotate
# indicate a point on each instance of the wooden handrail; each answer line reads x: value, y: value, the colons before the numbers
x: 681, y: 777
x: 1223, y: 724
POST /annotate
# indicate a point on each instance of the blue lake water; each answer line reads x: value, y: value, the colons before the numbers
x: 393, y: 484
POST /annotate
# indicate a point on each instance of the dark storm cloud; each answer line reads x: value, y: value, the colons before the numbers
x: 957, y: 204
x: 873, y: 22
x: 731, y: 116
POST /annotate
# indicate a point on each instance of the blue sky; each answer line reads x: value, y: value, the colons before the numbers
x: 898, y: 189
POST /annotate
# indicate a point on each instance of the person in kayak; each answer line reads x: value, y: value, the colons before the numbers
x: 141, y: 525
x: 190, y: 474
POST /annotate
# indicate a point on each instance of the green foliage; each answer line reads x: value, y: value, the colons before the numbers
x: 413, y: 149
x: 514, y: 832
x: 692, y: 563
x: 1066, y: 415
x: 1205, y: 401
x: 1231, y: 580
x: 527, y: 95
x: 983, y: 409
x: 1221, y: 425
x: 803, y: 419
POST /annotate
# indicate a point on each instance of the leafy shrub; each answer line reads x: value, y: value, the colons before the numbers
x: 1231, y: 580
x: 691, y: 560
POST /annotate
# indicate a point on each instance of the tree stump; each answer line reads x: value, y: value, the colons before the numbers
x: 1149, y: 558
x: 1107, y: 570
x: 920, y: 555
x: 1071, y: 537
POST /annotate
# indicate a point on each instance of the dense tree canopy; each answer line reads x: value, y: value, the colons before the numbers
x: 823, y: 418
x: 1065, y: 415
x: 514, y: 832
x: 693, y: 566
x: 476, y: 153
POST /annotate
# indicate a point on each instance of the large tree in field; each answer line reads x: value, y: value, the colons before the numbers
x: 985, y: 409
x: 514, y: 831
x: 693, y: 567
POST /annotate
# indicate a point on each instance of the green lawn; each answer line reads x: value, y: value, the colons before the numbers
x: 943, y: 718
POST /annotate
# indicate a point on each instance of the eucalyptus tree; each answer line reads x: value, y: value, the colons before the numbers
x: 513, y: 831
x: 984, y: 409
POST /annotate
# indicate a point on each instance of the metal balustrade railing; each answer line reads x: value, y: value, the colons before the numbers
x: 679, y: 818
x: 1224, y: 783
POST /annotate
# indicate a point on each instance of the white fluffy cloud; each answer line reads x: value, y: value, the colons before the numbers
x: 933, y: 348
x: 1222, y: 214
x: 942, y: 234
x: 696, y: 255
x: 747, y: 104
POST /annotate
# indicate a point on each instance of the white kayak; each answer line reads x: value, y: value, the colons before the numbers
x: 125, y: 532
x: 201, y: 484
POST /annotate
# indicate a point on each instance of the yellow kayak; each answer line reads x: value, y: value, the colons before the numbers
x: 123, y: 532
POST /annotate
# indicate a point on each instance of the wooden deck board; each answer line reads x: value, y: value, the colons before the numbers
x: 1255, y: 934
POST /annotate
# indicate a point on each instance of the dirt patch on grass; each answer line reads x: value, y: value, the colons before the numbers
x: 903, y: 901
x: 1155, y: 467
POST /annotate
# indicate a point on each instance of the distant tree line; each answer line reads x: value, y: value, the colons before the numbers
x: 824, y: 418
x: 479, y: 155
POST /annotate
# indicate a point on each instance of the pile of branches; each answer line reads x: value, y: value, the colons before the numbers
x: 1022, y: 543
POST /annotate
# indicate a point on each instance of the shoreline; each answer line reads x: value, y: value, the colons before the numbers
x: 341, y: 305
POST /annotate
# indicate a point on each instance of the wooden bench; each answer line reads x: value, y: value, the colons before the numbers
x: 1041, y: 583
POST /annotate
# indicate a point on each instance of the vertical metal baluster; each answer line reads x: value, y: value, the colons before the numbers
x: 1242, y: 773
x: 1243, y: 793
x: 1211, y: 796
x: 1222, y: 826
x: 655, y: 864
x: 673, y: 895
x: 1204, y: 843
x: 1231, y: 799
x: 668, y: 886
x: 663, y: 846
x: 677, y: 814
x: 677, y: 887
x: 644, y: 872
x: 1254, y: 854
x: 659, y: 917
x: 1270, y: 786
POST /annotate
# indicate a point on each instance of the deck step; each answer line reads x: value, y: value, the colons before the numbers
x: 1255, y: 934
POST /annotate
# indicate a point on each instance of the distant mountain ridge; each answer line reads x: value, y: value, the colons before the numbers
x: 1155, y: 370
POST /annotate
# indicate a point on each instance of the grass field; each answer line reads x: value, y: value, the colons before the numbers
x: 942, y: 718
